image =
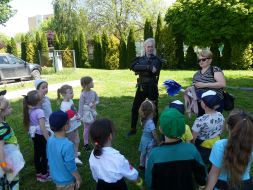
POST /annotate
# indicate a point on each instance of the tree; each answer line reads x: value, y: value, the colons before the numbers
x: 62, y: 42
x: 68, y: 18
x: 44, y: 50
x: 6, y: 11
x: 226, y: 55
x: 231, y: 20
x: 179, y: 50
x: 97, y: 52
x: 191, y: 59
x: 83, y: 51
x: 241, y: 56
x: 30, y: 53
x: 56, y: 42
x: 131, y: 49
x: 105, y: 46
x: 158, y: 34
x: 37, y: 47
x: 118, y: 16
x: 168, y: 48
x: 12, y: 47
x: 23, y: 46
x: 112, y: 56
x: 148, y: 30
x: 122, y: 53
x: 77, y: 52
x: 216, y: 54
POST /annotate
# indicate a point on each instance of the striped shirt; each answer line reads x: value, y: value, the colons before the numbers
x: 207, y: 77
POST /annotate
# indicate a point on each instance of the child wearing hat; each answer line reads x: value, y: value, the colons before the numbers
x: 207, y: 128
x: 173, y: 164
x: 42, y: 87
x: 60, y: 154
x: 187, y: 136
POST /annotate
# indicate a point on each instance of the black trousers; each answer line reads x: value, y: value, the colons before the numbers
x: 40, y: 155
x: 119, y: 185
x: 144, y: 91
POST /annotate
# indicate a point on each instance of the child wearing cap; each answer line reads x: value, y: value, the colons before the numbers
x: 173, y: 164
x: 187, y: 136
x: 60, y: 154
x: 42, y: 87
x: 207, y: 128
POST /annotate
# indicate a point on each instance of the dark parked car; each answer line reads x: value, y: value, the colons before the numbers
x: 12, y: 67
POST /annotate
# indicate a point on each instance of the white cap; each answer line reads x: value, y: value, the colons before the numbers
x: 38, y: 82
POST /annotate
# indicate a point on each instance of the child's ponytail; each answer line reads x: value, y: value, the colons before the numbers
x: 97, y: 149
x: 100, y: 132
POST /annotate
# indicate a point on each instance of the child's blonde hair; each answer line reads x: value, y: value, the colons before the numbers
x: 62, y: 91
x: 85, y: 81
x: 146, y: 109
x: 31, y: 99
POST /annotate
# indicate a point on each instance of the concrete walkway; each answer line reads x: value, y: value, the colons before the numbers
x: 51, y: 87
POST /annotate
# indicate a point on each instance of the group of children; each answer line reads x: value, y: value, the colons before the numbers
x: 176, y: 161
x: 175, y: 164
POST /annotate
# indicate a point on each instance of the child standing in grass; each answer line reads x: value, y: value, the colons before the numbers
x: 87, y: 107
x: 207, y: 128
x: 66, y: 91
x: 108, y: 166
x: 60, y: 153
x: 174, y: 164
x: 231, y: 158
x: 34, y: 122
x: 11, y: 159
x: 42, y: 87
x: 149, y: 137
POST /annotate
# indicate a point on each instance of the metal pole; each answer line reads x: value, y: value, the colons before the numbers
x: 74, y: 56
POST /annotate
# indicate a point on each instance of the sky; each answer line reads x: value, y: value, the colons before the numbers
x: 29, y: 8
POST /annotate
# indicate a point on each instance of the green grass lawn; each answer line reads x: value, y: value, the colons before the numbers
x: 116, y: 90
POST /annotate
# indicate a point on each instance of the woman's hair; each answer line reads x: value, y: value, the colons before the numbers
x: 146, y: 110
x: 62, y: 91
x: 85, y: 81
x: 100, y: 131
x: 4, y: 103
x: 31, y: 99
x: 239, y: 147
x: 206, y: 53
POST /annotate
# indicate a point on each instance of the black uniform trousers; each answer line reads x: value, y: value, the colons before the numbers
x: 148, y: 90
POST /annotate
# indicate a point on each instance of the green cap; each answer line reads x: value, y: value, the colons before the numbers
x: 172, y: 123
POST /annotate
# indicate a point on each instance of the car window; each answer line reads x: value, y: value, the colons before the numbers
x: 15, y: 60
x: 3, y: 60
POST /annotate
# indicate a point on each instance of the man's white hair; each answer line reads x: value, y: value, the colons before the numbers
x: 146, y: 42
x: 149, y: 40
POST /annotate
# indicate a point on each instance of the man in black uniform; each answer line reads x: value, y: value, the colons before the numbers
x: 148, y: 68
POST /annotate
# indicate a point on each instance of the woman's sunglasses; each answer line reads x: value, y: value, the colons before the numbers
x: 204, y: 59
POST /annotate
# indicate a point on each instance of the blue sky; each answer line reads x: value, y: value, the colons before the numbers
x: 29, y: 8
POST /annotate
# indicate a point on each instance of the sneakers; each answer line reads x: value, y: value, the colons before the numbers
x: 87, y: 147
x: 78, y: 161
x: 43, y: 178
x: 131, y: 132
x: 78, y: 153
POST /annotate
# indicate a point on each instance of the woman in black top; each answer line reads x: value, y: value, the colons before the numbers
x: 208, y: 78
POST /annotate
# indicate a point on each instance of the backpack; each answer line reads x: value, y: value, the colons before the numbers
x: 229, y: 99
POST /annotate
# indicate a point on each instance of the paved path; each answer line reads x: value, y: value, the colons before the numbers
x: 51, y: 87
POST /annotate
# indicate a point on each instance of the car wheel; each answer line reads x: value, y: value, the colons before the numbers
x: 35, y: 74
